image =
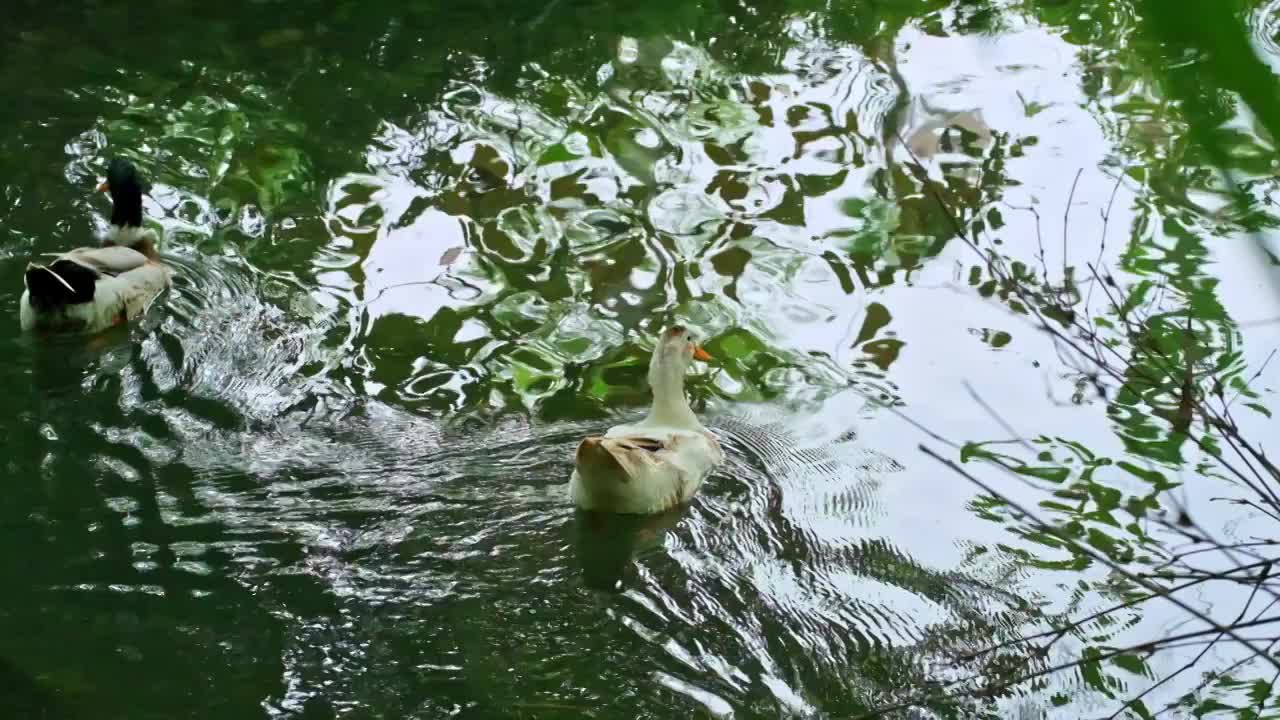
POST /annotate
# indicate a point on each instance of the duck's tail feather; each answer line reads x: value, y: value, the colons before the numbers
x: 595, y: 458
x: 62, y: 283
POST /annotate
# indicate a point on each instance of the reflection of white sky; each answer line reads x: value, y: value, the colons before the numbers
x: 403, y: 261
x: 404, y: 258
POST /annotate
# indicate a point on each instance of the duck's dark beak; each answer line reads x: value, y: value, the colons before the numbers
x: 700, y: 354
x: 103, y: 186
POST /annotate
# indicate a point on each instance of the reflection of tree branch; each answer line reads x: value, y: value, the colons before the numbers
x: 1062, y: 631
x: 1149, y: 648
x: 1106, y: 222
x: 1225, y: 671
x: 1174, y: 381
x: 1066, y: 221
x: 1198, y: 402
x: 1096, y: 556
x: 1164, y: 680
x: 1259, y: 323
x: 1220, y: 631
x: 1253, y: 377
x: 1241, y: 501
x: 1013, y: 435
x: 1044, y: 263
x: 995, y: 266
x: 1231, y: 551
x: 1181, y: 556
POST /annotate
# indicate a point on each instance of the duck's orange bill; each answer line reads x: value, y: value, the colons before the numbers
x: 103, y: 186
x: 700, y: 354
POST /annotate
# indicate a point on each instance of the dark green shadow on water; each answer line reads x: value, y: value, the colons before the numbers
x: 607, y: 545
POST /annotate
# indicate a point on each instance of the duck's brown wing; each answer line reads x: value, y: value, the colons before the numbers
x: 635, y: 442
x: 109, y: 260
x: 619, y: 455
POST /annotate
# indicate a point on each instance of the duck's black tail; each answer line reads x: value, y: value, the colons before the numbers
x: 62, y: 283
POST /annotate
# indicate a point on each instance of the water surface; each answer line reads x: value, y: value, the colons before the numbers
x: 419, y: 253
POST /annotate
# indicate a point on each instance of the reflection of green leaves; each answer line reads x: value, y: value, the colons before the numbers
x: 1261, y: 410
x: 876, y: 319
x: 1030, y: 108
x: 1091, y: 671
x: 533, y: 376
x: 557, y: 153
x: 1248, y: 699
x: 1215, y: 36
x: 1085, y: 504
x: 746, y: 358
x: 873, y: 233
x: 632, y: 145
x: 737, y: 346
x: 997, y: 339
x: 521, y: 312
x: 243, y: 150
x: 723, y: 120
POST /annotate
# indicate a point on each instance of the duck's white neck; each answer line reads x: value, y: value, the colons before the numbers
x: 670, y: 407
x: 126, y: 235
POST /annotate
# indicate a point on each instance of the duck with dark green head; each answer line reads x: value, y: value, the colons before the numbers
x: 89, y: 289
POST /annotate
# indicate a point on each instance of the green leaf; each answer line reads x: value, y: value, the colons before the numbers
x: 1214, y: 34
x: 1105, y: 544
x: 1091, y: 671
x: 1050, y: 473
x: 1260, y: 692
x: 1258, y: 408
x: 1131, y: 663
x: 555, y: 154
x: 1152, y: 476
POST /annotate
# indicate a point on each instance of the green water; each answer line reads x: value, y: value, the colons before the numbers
x: 422, y: 248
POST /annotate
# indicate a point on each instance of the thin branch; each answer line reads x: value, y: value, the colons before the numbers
x: 1096, y: 556
x: 1222, y: 673
x: 1180, y: 557
x: 1114, y: 652
x: 1062, y: 631
x: 1044, y: 264
x: 1241, y: 501
x: 1199, y: 656
x: 1253, y: 377
x: 996, y: 416
x: 911, y: 421
x: 1066, y: 221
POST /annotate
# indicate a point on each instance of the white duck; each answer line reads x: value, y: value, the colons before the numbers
x: 92, y: 288
x: 661, y: 461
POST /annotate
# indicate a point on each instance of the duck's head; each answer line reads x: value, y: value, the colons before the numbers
x: 126, y: 186
x: 676, y: 350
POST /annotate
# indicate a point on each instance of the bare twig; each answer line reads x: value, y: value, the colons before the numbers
x: 996, y: 416
x: 1107, y: 655
x: 1098, y: 557
x: 1180, y: 557
x: 1106, y: 222
x: 1066, y: 222
x: 1255, y: 376
x: 1062, y: 631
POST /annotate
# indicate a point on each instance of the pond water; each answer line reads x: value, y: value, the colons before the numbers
x: 421, y: 251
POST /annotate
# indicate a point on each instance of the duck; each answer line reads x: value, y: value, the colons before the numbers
x: 656, y: 464
x: 89, y: 289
